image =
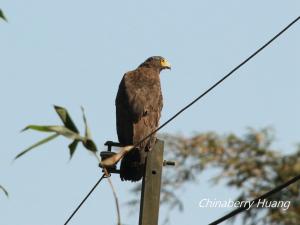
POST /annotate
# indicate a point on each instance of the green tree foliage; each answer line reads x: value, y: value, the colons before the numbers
x: 248, y: 164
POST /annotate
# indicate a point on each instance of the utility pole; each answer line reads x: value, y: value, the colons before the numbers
x: 150, y: 194
x: 151, y: 185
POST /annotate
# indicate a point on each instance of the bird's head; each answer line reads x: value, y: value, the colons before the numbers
x: 157, y: 62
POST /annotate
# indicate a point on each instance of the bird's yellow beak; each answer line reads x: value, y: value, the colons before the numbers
x: 165, y: 64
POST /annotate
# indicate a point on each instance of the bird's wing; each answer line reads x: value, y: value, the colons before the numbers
x: 137, y: 95
x: 138, y: 102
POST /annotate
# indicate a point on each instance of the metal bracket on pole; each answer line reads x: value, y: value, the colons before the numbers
x: 106, y: 154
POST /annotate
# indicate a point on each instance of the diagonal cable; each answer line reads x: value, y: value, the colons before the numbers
x: 192, y: 103
x: 86, y: 197
x: 220, y: 81
x: 255, y: 201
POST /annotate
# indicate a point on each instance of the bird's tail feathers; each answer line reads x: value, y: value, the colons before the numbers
x: 133, y: 165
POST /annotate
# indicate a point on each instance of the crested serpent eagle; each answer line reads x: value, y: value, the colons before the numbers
x: 138, y: 107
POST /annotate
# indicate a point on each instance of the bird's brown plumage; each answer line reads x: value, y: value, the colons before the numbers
x: 138, y: 108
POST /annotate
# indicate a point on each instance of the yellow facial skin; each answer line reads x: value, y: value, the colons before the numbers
x: 165, y: 64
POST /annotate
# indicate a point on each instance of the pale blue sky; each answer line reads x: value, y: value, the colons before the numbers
x: 74, y: 53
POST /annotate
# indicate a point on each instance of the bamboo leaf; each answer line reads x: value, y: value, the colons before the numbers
x: 66, y: 118
x: 36, y: 145
x: 61, y: 130
x: 88, y: 134
x: 73, y: 147
x: 4, y: 190
x: 90, y: 145
x: 2, y: 16
x: 37, y: 128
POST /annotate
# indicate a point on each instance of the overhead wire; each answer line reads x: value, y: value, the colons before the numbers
x: 219, y: 82
x: 192, y: 103
x: 85, y: 198
x: 255, y: 201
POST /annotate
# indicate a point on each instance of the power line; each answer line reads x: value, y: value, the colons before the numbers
x: 219, y: 82
x: 192, y: 103
x: 86, y: 197
x: 255, y: 201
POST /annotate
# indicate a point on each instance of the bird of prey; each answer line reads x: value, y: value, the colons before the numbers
x: 138, y: 108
